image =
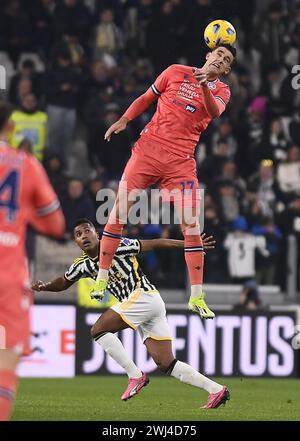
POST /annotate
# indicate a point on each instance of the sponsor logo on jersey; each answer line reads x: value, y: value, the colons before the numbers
x: 211, y: 85
x: 190, y: 108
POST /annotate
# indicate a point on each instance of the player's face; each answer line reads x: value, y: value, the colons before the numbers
x: 86, y: 237
x: 219, y: 61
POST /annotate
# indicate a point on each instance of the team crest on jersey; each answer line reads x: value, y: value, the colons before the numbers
x: 211, y: 85
x: 190, y: 108
x: 126, y: 241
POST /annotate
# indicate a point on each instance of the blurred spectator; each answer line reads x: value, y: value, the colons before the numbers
x: 23, y: 87
x: 224, y: 133
x: 214, y: 259
x: 93, y: 186
x: 228, y: 200
x: 55, y: 170
x: 275, y: 145
x: 241, y: 247
x: 76, y: 50
x: 162, y: 44
x: 249, y: 297
x: 213, y: 164
x: 294, y: 127
x: 251, y: 132
x: 76, y: 204
x: 229, y: 173
x: 62, y: 87
x: 30, y: 123
x: 113, y: 155
x: 271, y: 89
x: 30, y: 79
x: 264, y: 186
x: 288, y: 175
x: 108, y: 36
x: 266, y: 265
x: 272, y: 32
x: 19, y: 29
x: 42, y: 18
x: 72, y: 17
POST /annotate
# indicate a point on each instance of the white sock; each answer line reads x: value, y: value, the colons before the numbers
x: 196, y: 290
x: 185, y: 373
x: 102, y: 274
x: 113, y: 347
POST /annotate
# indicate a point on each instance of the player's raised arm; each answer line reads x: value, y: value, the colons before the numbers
x: 213, y: 105
x: 134, y: 110
x: 154, y: 244
x: 141, y: 103
x: 56, y: 285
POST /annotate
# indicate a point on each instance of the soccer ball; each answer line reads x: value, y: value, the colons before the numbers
x: 218, y: 32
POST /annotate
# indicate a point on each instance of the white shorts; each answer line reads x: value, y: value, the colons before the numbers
x: 145, y: 311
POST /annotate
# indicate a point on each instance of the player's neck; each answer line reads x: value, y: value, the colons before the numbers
x: 212, y: 78
x: 94, y: 252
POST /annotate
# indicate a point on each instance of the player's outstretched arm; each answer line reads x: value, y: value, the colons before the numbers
x: 59, y: 284
x: 214, y: 106
x: 134, y: 110
x: 154, y: 244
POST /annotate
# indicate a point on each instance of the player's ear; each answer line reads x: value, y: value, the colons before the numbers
x: 227, y: 70
x: 208, y: 55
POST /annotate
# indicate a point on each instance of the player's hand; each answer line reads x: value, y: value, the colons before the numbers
x: 200, y: 76
x: 116, y: 128
x: 208, y: 242
x: 39, y: 285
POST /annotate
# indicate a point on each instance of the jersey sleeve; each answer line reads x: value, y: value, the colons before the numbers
x: 128, y: 247
x: 161, y: 82
x: 76, y: 271
x: 44, y: 199
x: 223, y: 94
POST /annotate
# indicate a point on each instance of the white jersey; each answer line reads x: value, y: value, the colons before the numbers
x: 241, y: 253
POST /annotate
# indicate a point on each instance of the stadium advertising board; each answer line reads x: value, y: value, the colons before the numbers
x: 255, y: 344
x: 52, y: 342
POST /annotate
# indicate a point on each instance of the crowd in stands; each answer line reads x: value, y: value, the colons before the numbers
x: 73, y: 68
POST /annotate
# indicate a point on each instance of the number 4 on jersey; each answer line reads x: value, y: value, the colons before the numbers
x: 9, y: 186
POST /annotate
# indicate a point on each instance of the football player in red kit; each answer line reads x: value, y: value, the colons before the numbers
x: 187, y: 100
x: 26, y: 197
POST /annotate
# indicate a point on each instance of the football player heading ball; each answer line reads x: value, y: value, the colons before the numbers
x: 188, y: 98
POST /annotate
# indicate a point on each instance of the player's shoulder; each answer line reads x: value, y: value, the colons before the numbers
x: 9, y: 152
x: 80, y: 260
x: 181, y: 68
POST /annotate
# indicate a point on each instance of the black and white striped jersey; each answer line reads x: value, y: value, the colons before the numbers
x: 125, y: 274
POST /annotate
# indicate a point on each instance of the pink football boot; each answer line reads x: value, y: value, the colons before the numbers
x: 215, y: 400
x: 134, y: 386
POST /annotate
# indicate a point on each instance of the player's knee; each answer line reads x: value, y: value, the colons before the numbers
x: 97, y: 331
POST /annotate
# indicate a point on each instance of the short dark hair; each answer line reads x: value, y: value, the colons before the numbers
x: 83, y: 220
x: 5, y: 112
x: 228, y: 47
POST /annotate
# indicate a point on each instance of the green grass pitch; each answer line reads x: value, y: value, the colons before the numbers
x: 164, y: 399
